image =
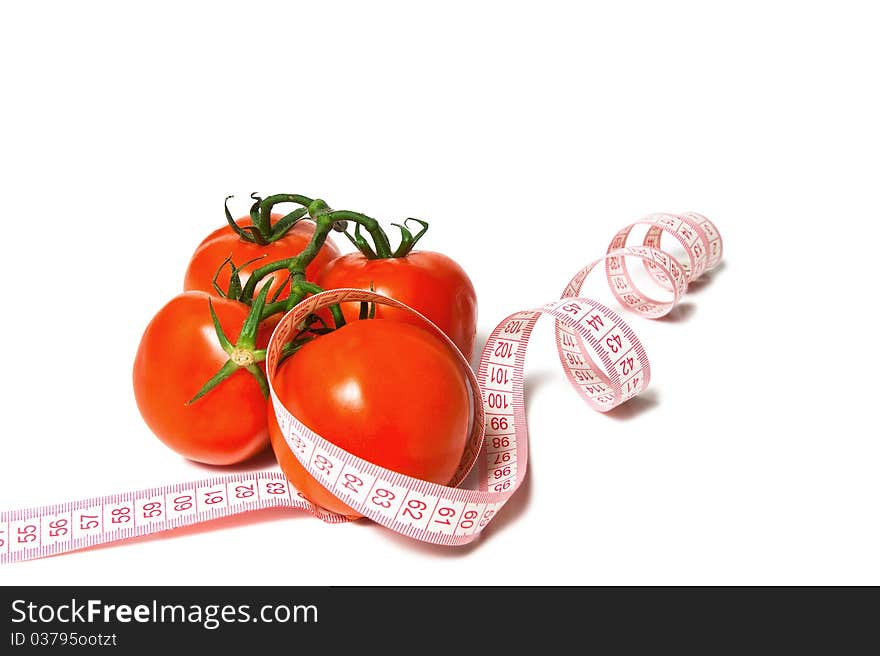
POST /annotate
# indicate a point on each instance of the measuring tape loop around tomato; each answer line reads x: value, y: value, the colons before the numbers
x: 448, y: 514
x: 600, y: 354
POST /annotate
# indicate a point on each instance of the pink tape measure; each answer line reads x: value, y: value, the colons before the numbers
x: 600, y: 354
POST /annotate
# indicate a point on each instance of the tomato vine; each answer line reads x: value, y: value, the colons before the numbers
x: 243, y: 353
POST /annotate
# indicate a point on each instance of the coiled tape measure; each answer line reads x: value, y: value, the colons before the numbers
x: 600, y: 354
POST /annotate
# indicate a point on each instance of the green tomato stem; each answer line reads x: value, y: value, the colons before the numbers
x: 261, y: 225
x: 242, y: 355
x: 325, y: 221
x: 232, y: 224
x: 380, y: 239
x: 262, y: 231
x: 274, y: 233
x: 225, y: 372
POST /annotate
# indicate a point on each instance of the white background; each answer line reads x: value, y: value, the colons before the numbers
x: 526, y: 134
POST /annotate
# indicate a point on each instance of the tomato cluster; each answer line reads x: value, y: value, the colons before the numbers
x: 375, y: 381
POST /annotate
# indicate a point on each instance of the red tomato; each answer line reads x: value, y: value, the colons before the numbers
x: 224, y: 243
x: 178, y: 353
x: 428, y: 282
x: 384, y: 390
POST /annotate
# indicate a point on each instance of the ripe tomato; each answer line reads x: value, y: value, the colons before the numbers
x: 224, y: 243
x: 178, y: 353
x: 384, y: 390
x: 428, y: 282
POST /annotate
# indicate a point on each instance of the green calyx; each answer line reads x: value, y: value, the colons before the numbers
x: 262, y: 231
x: 407, y: 239
x: 381, y: 246
x: 243, y: 354
x: 234, y: 289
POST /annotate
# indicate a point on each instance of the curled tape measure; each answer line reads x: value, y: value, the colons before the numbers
x: 599, y: 352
